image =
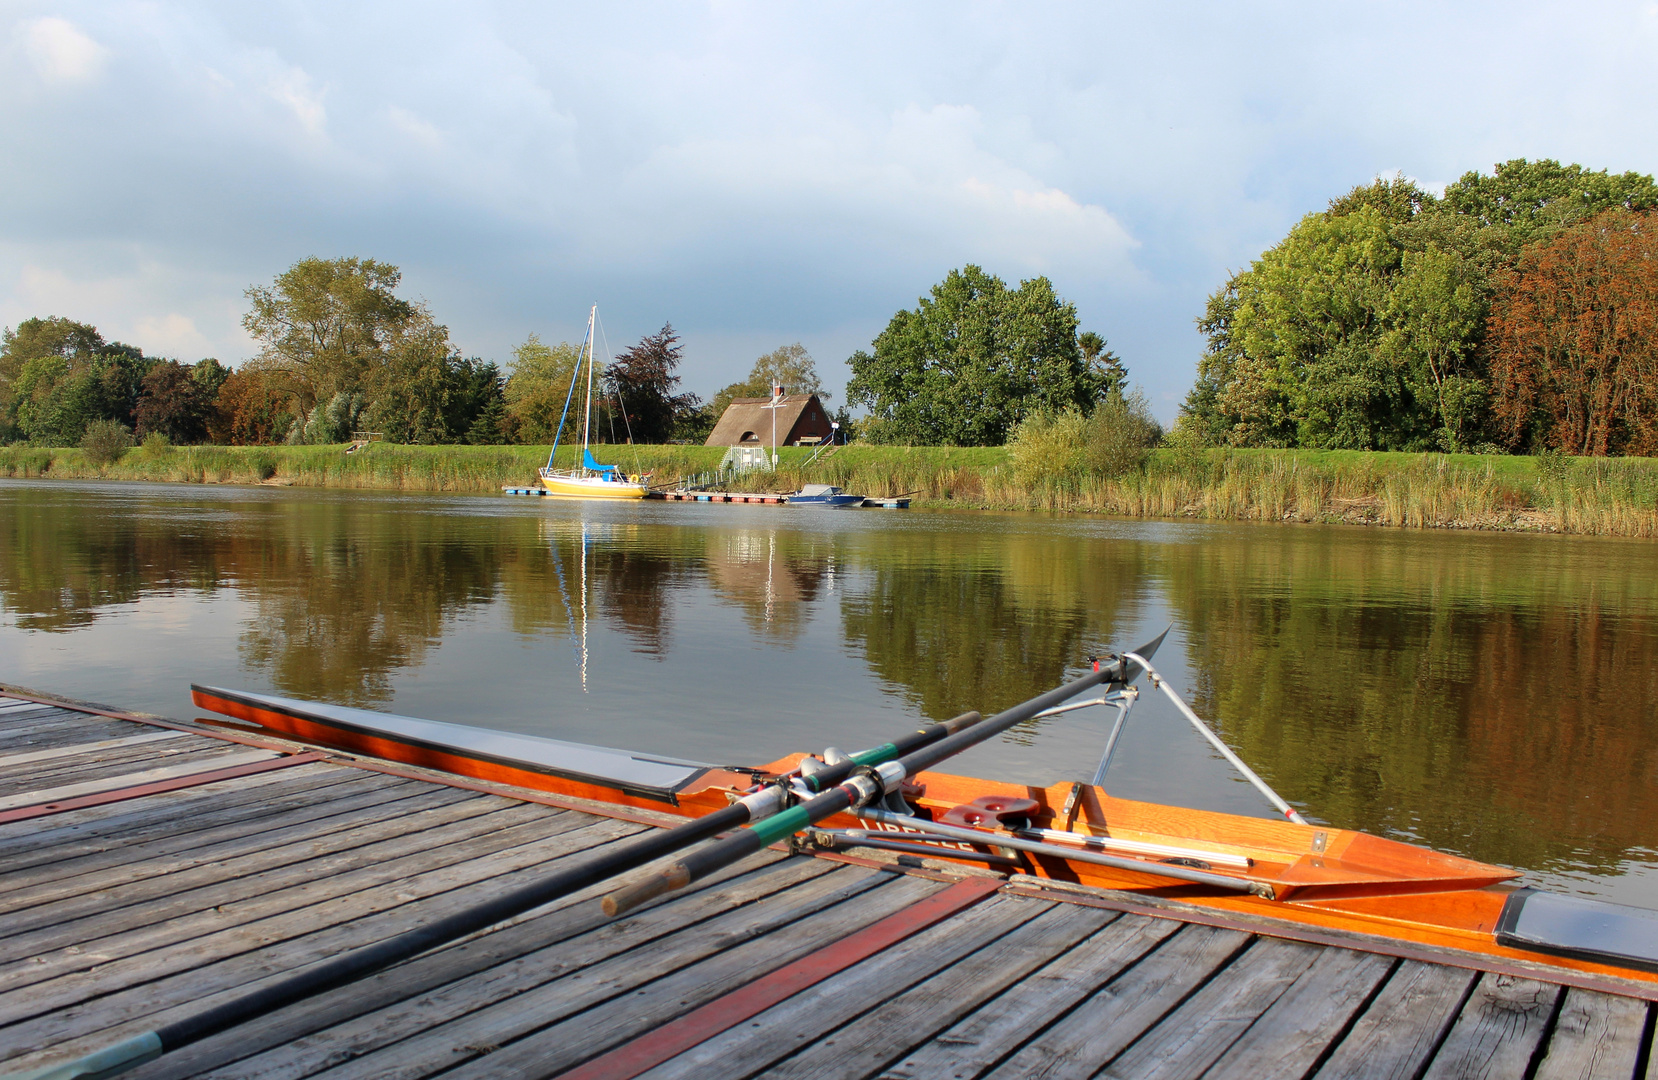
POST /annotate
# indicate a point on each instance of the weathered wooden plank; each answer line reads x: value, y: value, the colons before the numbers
x: 1403, y: 1025
x: 96, y: 828
x: 30, y: 712
x: 301, y: 833
x: 763, y: 1042
x: 191, y: 831
x: 1293, y: 1033
x: 88, y: 915
x: 1201, y: 1029
x: 67, y: 772
x: 59, y: 736
x: 12, y: 760
x: 1000, y: 1025
x: 1497, y: 1031
x: 870, y: 1017
x: 1596, y: 1037
x: 387, y: 851
x: 194, y: 971
x: 110, y: 783
x: 1111, y: 1018
x: 125, y: 747
x: 61, y: 728
x: 70, y: 769
x: 566, y: 1022
x: 442, y: 986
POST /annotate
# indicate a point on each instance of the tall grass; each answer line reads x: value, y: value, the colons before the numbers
x: 1615, y: 497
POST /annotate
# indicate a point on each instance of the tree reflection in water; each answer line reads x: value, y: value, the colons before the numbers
x: 1489, y: 694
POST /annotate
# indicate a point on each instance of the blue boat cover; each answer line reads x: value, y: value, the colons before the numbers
x: 588, y: 461
x: 1581, y: 927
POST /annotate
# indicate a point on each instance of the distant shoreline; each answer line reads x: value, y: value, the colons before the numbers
x: 1584, y: 496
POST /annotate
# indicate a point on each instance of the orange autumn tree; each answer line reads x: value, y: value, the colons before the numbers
x: 1572, y: 342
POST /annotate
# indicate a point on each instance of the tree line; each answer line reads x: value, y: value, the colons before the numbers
x: 1515, y: 312
x: 339, y: 352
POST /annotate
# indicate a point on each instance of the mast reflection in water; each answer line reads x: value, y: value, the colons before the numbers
x: 1489, y: 694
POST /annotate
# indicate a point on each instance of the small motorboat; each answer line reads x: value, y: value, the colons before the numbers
x: 823, y: 495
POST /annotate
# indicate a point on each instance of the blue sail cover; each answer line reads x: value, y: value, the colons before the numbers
x: 589, y: 462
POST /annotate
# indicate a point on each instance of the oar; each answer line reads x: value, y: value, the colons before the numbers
x: 365, y: 961
x: 860, y: 788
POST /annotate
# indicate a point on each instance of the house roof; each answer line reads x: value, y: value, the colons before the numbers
x: 753, y: 414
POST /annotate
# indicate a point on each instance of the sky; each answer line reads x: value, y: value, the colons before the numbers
x: 754, y: 173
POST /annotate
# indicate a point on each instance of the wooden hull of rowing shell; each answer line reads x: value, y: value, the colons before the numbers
x: 1324, y: 877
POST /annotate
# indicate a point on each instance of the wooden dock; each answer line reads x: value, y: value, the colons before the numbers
x: 151, y: 868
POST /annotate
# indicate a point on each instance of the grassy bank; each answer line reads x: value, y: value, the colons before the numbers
x: 1573, y: 495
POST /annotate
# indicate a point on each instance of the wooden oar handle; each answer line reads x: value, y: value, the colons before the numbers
x: 628, y: 897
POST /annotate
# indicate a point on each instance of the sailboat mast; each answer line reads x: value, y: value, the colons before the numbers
x: 587, y: 418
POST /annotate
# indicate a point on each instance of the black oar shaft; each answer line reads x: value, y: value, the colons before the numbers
x: 364, y: 961
x: 360, y: 963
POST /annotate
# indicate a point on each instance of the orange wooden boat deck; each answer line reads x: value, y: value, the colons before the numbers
x: 151, y: 867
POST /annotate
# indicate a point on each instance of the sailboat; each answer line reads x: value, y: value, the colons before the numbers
x: 590, y: 479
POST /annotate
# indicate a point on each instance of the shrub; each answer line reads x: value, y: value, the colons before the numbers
x: 1121, y: 435
x: 1050, y: 447
x: 155, y: 446
x: 1553, y: 465
x: 105, y: 441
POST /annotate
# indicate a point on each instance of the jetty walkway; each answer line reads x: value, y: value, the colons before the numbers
x: 151, y: 868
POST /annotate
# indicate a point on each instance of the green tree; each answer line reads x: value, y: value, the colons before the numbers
x: 1301, y: 362
x: 325, y: 325
x: 1363, y: 328
x: 210, y: 375
x: 970, y: 361
x: 57, y: 376
x: 790, y: 366
x: 1106, y: 365
x: 1436, y: 317
x: 1527, y: 201
x: 536, y: 390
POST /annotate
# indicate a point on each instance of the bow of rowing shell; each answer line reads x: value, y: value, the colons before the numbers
x: 1331, y: 878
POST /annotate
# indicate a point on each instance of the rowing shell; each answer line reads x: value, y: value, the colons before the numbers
x: 1318, y: 876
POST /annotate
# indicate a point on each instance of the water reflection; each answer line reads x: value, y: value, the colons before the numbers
x: 968, y: 621
x: 1482, y: 694
x: 1488, y: 694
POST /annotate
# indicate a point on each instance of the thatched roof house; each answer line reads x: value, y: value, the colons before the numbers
x: 747, y: 422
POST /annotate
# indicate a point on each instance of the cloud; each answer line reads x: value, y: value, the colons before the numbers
x: 291, y: 87
x: 165, y: 310
x: 60, y: 52
x: 422, y: 132
x: 172, y: 334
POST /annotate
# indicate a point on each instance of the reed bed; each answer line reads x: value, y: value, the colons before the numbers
x: 1610, y: 497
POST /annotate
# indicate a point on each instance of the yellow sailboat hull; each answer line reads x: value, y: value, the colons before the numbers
x: 576, y: 486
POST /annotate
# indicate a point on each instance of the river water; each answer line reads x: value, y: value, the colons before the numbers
x: 1495, y: 695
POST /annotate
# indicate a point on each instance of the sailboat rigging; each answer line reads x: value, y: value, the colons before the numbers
x: 588, y: 479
